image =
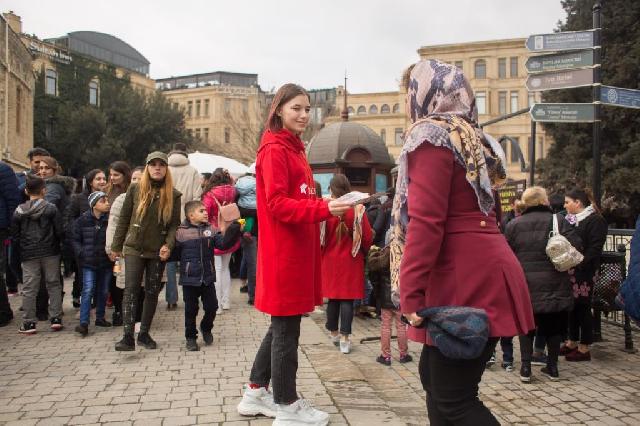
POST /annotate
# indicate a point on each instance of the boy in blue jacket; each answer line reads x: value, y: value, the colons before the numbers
x: 89, y: 234
x: 195, y: 242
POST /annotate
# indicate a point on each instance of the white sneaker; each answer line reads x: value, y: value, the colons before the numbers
x: 226, y: 306
x: 257, y: 401
x: 345, y: 346
x: 335, y: 339
x: 300, y: 413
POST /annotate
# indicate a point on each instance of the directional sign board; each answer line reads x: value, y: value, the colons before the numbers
x: 569, y: 40
x: 629, y: 98
x: 559, y: 80
x: 563, y: 113
x: 560, y: 61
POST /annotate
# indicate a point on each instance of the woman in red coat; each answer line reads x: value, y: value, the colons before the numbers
x: 445, y: 226
x: 345, y: 242
x: 288, y: 276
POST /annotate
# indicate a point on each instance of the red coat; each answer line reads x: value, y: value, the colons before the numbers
x: 343, y: 274
x: 454, y: 254
x: 289, y: 213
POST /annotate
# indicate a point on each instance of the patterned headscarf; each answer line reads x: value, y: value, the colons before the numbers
x: 443, y: 112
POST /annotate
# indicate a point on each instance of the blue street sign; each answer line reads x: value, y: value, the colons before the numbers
x: 628, y: 98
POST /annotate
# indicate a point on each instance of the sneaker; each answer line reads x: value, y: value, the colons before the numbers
x: 192, y: 345
x: 384, y: 360
x: 102, y: 323
x: 551, y: 372
x: 525, y: 373
x: 335, y: 339
x: 126, y: 344
x: 145, y: 340
x: 207, y: 337
x: 405, y: 358
x: 226, y: 306
x: 116, y: 320
x: 491, y: 361
x: 76, y: 302
x: 82, y: 329
x: 56, y: 324
x: 345, y: 346
x: 565, y: 350
x: 257, y: 402
x: 577, y: 356
x: 27, y: 328
x: 300, y: 413
x: 539, y: 359
x: 244, y: 289
x: 507, y: 366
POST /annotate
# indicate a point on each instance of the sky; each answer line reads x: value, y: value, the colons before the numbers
x: 309, y: 43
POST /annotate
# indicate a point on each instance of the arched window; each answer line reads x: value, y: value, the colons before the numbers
x: 362, y: 110
x: 385, y: 109
x: 396, y: 108
x: 480, y: 69
x: 51, y: 82
x: 94, y: 92
x: 351, y: 110
x: 373, y: 109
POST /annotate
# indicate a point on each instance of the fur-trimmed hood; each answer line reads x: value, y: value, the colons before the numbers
x: 66, y: 182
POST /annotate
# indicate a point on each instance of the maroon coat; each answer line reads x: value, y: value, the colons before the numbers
x: 343, y: 274
x: 454, y: 254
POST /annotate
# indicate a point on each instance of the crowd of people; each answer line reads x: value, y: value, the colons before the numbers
x: 436, y: 241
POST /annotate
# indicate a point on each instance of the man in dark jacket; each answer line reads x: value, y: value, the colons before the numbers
x: 9, y: 200
x: 37, y: 225
x: 35, y: 155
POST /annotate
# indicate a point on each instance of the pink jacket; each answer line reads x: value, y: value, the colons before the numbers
x: 225, y: 194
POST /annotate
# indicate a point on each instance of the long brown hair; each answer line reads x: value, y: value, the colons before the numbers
x: 339, y: 186
x: 114, y: 190
x: 219, y: 177
x: 146, y: 194
x: 283, y: 95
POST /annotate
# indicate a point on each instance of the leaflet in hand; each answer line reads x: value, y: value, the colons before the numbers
x: 354, y: 197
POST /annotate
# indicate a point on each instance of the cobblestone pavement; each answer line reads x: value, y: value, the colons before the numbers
x: 60, y: 378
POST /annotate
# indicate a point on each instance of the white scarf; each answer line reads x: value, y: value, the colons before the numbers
x: 584, y: 214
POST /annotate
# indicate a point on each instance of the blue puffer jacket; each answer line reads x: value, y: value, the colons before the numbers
x: 194, y: 250
x: 9, y: 195
x: 629, y: 296
x: 246, y: 189
x: 89, y: 235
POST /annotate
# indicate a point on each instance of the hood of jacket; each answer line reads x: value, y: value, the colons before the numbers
x: 284, y: 138
x: 68, y: 183
x: 178, y: 160
x: 224, y: 193
x: 32, y: 208
x: 246, y: 185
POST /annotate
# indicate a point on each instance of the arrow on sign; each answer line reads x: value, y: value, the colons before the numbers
x: 563, y: 113
x: 569, y: 40
x: 559, y: 80
x: 560, y: 61
x: 629, y: 98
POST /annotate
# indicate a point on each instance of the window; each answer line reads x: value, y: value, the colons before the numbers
x: 94, y: 88
x: 502, y: 67
x: 514, y: 67
x: 227, y: 135
x: 396, y: 108
x: 383, y: 135
x: 481, y: 102
x: 515, y: 158
x: 514, y: 101
x: 206, y: 134
x: 198, y: 108
x: 51, y: 83
x: 385, y: 109
x: 480, y: 69
x: 190, y: 132
x: 373, y: 109
x: 362, y: 110
x: 532, y: 99
x: 351, y: 110
x: 227, y: 106
x: 18, y: 109
x: 398, y: 137
x: 198, y: 134
x: 206, y: 108
x: 190, y: 109
x: 502, y: 103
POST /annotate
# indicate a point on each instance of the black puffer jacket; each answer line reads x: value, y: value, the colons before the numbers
x: 89, y: 235
x: 37, y: 226
x: 78, y: 204
x: 59, y: 190
x: 593, y: 232
x: 528, y: 235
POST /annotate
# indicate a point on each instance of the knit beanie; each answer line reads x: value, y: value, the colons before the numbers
x: 94, y: 197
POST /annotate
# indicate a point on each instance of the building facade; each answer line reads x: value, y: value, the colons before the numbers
x: 225, y: 111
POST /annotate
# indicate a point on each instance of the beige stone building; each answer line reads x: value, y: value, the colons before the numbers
x: 225, y: 111
x: 17, y: 83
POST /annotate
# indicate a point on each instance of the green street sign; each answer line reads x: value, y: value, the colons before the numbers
x: 563, y: 113
x: 559, y: 80
x: 560, y: 61
x: 569, y: 40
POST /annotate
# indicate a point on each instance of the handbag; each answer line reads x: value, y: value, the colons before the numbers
x: 227, y: 213
x: 562, y: 254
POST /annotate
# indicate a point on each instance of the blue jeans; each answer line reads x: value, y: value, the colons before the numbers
x: 506, y: 343
x: 171, y: 292
x: 249, y: 249
x: 95, y: 283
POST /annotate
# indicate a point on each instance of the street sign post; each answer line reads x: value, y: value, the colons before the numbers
x: 563, y: 113
x: 560, y: 61
x: 569, y: 40
x: 628, y: 98
x: 559, y: 80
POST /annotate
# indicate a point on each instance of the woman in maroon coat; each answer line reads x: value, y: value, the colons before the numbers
x: 445, y: 226
x: 288, y: 276
x: 345, y: 243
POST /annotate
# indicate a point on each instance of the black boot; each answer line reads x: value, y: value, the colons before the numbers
x: 525, y: 372
x: 127, y: 343
x: 145, y: 340
x: 117, y: 319
x: 192, y: 345
x: 551, y: 371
